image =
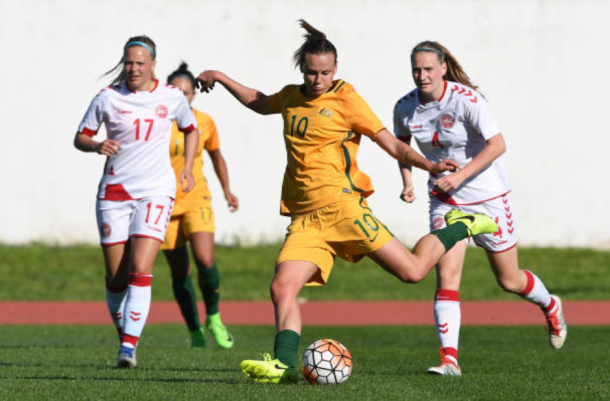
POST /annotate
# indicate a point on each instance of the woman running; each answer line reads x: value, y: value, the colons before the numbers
x: 324, y: 193
x: 449, y: 118
x: 193, y: 221
x: 137, y: 189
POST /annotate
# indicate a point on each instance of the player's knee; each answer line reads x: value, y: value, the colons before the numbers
x: 509, y: 285
x: 410, y: 275
x: 282, y: 291
x: 204, y: 261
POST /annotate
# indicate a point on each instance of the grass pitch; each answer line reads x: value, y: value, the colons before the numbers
x: 42, y: 272
x: 498, y: 363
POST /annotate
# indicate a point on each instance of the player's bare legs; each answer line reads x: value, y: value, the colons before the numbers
x: 143, y: 254
x: 290, y: 277
x: 116, y: 261
x: 410, y: 267
x: 505, y: 266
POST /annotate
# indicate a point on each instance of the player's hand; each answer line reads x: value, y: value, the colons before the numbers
x: 108, y: 147
x: 205, y: 81
x: 232, y: 201
x: 408, y: 195
x: 444, y: 165
x: 187, y: 181
x: 449, y: 182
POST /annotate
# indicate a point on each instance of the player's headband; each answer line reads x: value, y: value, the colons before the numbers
x: 428, y: 49
x: 144, y: 45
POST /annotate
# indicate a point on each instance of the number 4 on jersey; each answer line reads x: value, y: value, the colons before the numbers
x: 435, y: 141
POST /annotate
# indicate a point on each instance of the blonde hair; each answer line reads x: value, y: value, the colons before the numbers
x: 134, y: 41
x: 315, y: 43
x: 455, y: 72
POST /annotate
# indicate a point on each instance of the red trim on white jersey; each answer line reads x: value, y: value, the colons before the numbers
x: 156, y: 81
x: 446, y: 198
x: 89, y: 132
x: 188, y: 129
x: 116, y: 192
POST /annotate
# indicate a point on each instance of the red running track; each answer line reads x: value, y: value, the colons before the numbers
x: 337, y: 313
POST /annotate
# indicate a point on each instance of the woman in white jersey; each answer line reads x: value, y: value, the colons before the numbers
x: 137, y: 189
x: 193, y: 220
x: 449, y: 118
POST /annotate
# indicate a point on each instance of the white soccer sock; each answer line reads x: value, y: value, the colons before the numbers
x: 136, y: 307
x: 448, y: 317
x: 115, y: 299
x: 536, y: 292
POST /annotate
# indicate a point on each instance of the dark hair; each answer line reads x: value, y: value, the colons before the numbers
x: 120, y: 77
x: 315, y: 43
x: 455, y: 72
x: 182, y: 71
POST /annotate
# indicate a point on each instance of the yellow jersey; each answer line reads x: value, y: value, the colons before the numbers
x: 208, y: 139
x: 322, y: 136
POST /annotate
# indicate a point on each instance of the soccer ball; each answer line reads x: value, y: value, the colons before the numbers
x: 327, y: 362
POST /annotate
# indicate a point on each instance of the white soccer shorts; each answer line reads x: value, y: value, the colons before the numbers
x: 500, y: 209
x: 120, y: 220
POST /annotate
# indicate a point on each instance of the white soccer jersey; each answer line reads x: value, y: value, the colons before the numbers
x: 142, y: 123
x: 456, y: 127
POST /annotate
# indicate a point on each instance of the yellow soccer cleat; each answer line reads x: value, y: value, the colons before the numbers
x: 475, y: 223
x: 269, y: 371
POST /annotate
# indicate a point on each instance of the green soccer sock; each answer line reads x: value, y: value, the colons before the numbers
x: 209, y: 283
x: 185, y: 295
x: 450, y: 235
x: 286, y: 345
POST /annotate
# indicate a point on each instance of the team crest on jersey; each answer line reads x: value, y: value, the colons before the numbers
x: 437, y: 223
x: 325, y: 112
x: 447, y: 121
x: 106, y: 230
x: 161, y: 111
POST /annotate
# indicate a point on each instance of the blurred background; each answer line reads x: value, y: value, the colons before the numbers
x: 536, y: 61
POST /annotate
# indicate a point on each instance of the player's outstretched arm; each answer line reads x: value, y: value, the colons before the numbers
x: 251, y: 98
x: 405, y: 154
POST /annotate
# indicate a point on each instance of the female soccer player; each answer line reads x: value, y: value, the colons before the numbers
x: 324, y: 193
x: 449, y: 118
x: 193, y: 220
x: 137, y: 189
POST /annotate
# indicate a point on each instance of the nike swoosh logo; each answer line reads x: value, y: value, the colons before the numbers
x: 471, y: 218
x: 279, y: 367
x: 374, y: 238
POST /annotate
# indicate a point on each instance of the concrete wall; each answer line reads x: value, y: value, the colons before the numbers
x: 540, y: 63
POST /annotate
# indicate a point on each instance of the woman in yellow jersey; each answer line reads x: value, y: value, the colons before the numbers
x: 193, y: 220
x: 324, y: 193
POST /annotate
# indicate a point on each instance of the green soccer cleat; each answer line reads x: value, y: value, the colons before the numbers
x: 269, y: 371
x: 475, y: 223
x: 219, y: 331
x: 198, y: 339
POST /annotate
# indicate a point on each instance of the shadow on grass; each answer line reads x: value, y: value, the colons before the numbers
x: 119, y: 379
